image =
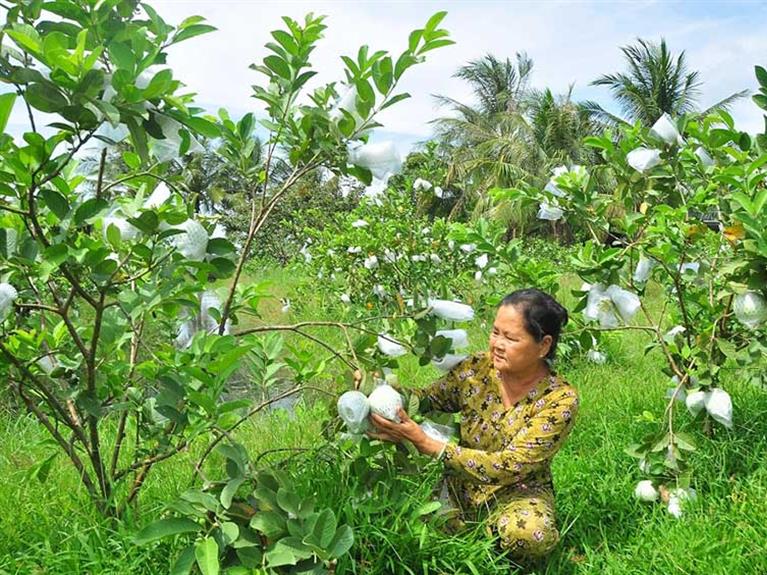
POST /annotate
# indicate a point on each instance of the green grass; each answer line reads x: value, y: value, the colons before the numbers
x: 50, y: 527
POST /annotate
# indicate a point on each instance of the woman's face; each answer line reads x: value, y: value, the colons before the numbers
x: 512, y: 348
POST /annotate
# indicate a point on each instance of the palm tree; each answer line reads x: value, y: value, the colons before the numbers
x: 655, y: 82
x: 512, y: 134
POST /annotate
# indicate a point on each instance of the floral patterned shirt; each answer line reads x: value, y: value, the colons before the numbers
x: 501, y: 450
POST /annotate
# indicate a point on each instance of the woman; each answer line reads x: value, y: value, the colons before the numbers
x: 515, y: 415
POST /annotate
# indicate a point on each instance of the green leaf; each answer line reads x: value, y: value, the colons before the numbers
x: 165, y: 528
x: 147, y: 222
x: 760, y: 100
x: 434, y: 21
x: 26, y: 37
x: 269, y: 523
x: 206, y: 553
x: 122, y: 55
x: 6, y: 105
x: 343, y: 540
x: 278, y: 66
x: 45, y: 97
x: 229, y: 491
x: 159, y: 84
x: 184, y: 562
x: 761, y: 75
x: 192, y: 31
x: 55, y: 202
x: 394, y: 99
x: 427, y: 508
x: 286, y: 41
x: 288, y: 501
x: 325, y: 528
x: 280, y: 556
x: 89, y: 209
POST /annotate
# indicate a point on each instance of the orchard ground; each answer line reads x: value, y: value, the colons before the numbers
x: 50, y: 527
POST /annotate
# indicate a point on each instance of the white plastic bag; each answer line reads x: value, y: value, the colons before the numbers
x: 626, y: 302
x: 8, y: 295
x: 665, y: 129
x: 459, y: 339
x: 437, y: 432
x: 451, y: 310
x: 353, y: 408
x: 448, y: 362
x: 750, y: 308
x: 643, y: 270
x: 381, y: 158
x: 719, y: 406
x: 643, y: 159
x: 386, y: 402
x: 547, y: 211
x: 390, y: 347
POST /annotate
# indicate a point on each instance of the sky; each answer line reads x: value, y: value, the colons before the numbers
x: 570, y: 42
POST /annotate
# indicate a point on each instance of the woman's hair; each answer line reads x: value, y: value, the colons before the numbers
x: 543, y: 315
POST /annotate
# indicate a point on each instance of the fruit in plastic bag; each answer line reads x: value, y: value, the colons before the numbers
x: 386, y: 402
x: 353, y: 408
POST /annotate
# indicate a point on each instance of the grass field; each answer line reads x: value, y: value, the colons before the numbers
x: 50, y: 527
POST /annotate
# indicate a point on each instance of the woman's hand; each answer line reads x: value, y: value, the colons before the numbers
x: 406, y: 430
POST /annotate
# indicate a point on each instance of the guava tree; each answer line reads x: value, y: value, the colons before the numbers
x: 113, y: 334
x: 688, y: 215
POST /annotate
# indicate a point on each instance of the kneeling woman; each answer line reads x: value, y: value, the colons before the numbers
x: 515, y: 415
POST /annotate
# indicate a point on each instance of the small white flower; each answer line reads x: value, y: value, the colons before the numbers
x: 435, y: 259
x: 468, y: 248
x: 451, y: 245
x: 345, y: 298
x: 371, y: 262
x: 492, y: 271
x: 481, y: 261
x: 439, y: 192
x: 478, y: 276
x: 420, y: 185
x: 354, y: 250
x: 331, y: 252
x: 426, y: 231
x: 451, y: 310
x: 8, y: 295
x: 379, y: 290
x: 359, y: 224
x: 418, y: 258
x: 286, y: 306
x: 643, y: 159
x: 645, y: 491
x: 389, y: 256
x: 665, y: 129
x: 389, y: 346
